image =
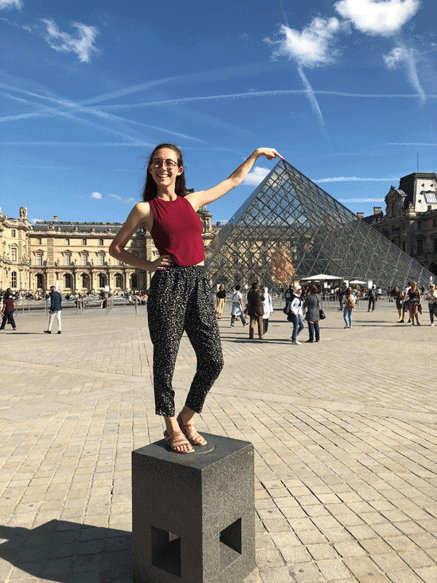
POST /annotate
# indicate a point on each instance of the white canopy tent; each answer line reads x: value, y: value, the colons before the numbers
x: 321, y: 277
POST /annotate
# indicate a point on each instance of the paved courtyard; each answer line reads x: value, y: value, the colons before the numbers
x: 345, y: 435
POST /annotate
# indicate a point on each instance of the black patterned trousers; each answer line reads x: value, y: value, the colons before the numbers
x: 180, y: 300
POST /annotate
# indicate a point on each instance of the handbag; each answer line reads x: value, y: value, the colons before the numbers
x: 322, y: 315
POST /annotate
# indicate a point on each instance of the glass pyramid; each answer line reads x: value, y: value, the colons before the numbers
x: 289, y: 229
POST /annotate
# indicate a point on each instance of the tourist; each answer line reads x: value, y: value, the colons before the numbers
x: 55, y: 309
x: 413, y: 303
x: 255, y: 311
x: 312, y: 307
x: 8, y: 309
x: 267, y: 308
x: 296, y: 310
x: 372, y: 296
x: 237, y: 310
x: 431, y: 298
x: 397, y: 295
x: 180, y: 295
x: 221, y: 300
x: 349, y: 307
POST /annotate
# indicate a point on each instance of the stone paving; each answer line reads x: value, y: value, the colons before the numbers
x: 345, y: 435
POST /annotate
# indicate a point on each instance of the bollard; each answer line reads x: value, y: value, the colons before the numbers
x: 193, y: 515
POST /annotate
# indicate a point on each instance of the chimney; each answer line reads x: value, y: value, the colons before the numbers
x: 218, y: 224
x: 55, y: 219
x: 376, y: 210
x: 360, y: 215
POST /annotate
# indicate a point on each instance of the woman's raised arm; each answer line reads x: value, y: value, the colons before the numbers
x: 203, y: 197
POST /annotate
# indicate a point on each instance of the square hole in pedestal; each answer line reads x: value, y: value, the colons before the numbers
x: 230, y: 544
x: 166, y: 551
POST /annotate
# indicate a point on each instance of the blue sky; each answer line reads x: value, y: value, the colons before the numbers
x: 345, y: 91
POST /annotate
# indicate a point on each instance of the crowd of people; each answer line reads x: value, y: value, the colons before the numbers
x: 304, y: 303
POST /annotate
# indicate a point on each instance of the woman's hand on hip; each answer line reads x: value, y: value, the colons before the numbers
x: 161, y: 263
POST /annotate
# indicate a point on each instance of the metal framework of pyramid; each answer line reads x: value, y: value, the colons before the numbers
x: 289, y: 229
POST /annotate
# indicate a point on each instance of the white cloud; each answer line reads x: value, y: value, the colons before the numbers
x: 407, y: 58
x: 11, y: 4
x: 36, y: 220
x: 82, y: 45
x: 312, y: 47
x: 354, y: 179
x: 378, y: 18
x: 115, y: 196
x: 96, y: 195
x: 256, y: 176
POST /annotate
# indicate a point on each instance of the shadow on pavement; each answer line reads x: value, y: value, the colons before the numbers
x: 65, y: 551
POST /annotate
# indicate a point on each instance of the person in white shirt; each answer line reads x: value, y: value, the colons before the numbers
x: 237, y: 307
x: 268, y: 309
x: 296, y: 309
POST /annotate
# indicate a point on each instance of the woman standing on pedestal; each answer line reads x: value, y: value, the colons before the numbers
x: 180, y: 296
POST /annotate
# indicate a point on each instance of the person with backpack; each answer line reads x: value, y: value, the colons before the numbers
x: 372, y: 298
x: 349, y: 307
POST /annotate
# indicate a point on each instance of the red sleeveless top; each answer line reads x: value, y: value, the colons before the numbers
x: 177, y: 231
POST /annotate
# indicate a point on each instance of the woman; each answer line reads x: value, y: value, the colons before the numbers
x: 267, y: 308
x: 221, y: 300
x: 297, y: 313
x: 237, y: 310
x: 413, y: 303
x: 397, y: 295
x: 349, y: 307
x: 312, y: 306
x: 180, y: 295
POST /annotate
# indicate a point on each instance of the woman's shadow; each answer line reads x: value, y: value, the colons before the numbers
x: 67, y: 552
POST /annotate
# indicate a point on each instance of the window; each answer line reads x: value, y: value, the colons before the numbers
x: 404, y: 247
x: 101, y: 259
x: 84, y: 242
x: 119, y: 280
x: 67, y: 278
x: 13, y: 233
x: 14, y: 254
x: 134, y: 281
x: 101, y: 242
x: 102, y: 280
x: 39, y: 258
x: 419, y: 245
x: 39, y: 241
x: 14, y: 279
x: 67, y: 257
x: 84, y: 280
x: 67, y: 241
x: 39, y: 281
x: 419, y: 224
x: 84, y: 259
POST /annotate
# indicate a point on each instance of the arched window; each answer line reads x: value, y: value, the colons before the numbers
x: 134, y: 281
x: 14, y: 279
x: 68, y: 280
x: 39, y: 281
x: 119, y: 280
x: 102, y: 280
x: 84, y: 280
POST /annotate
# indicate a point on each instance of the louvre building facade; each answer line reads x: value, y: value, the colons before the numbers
x: 34, y: 257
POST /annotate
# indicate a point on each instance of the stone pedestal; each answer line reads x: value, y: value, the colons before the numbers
x: 193, y: 515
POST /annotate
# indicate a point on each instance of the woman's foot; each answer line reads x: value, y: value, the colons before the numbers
x: 190, y: 432
x: 178, y: 442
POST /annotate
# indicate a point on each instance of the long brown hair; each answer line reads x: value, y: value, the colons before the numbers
x: 150, y: 190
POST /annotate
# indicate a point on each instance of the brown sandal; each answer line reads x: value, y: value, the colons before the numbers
x: 191, y: 433
x: 177, y: 439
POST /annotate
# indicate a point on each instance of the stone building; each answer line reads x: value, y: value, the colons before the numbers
x: 76, y: 254
x: 410, y: 219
